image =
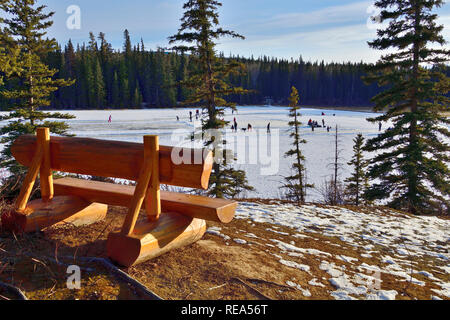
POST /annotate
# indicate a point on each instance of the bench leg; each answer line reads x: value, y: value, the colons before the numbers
x: 40, y: 214
x: 152, y: 239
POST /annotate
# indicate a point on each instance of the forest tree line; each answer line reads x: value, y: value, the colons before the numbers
x: 135, y: 77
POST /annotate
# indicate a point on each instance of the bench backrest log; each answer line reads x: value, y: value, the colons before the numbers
x: 115, y: 159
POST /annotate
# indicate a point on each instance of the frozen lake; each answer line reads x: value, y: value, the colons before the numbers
x: 265, y: 167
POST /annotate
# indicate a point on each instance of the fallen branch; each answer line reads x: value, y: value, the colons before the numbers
x: 254, y: 290
x: 143, y: 290
x: 98, y: 237
x: 14, y: 290
x: 217, y: 287
x: 270, y: 282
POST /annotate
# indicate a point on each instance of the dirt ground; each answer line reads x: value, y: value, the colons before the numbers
x: 212, y: 269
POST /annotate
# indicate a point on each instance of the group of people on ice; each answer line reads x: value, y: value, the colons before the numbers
x: 191, y: 116
x: 234, y: 127
x: 314, y: 124
x: 197, y: 115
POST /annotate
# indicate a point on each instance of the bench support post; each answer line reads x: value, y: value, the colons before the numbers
x: 48, y: 211
x: 30, y: 179
x: 153, y: 199
x: 46, y: 176
x: 150, y: 148
x: 152, y: 239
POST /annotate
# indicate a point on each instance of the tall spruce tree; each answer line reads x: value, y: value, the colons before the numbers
x: 198, y: 32
x: 296, y: 184
x: 411, y: 171
x: 30, y: 80
x: 357, y: 183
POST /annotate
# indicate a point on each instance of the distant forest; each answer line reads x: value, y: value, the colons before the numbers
x: 135, y: 78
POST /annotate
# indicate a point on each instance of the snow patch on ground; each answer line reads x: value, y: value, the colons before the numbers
x: 296, y: 265
x: 305, y: 292
x: 347, y: 259
x: 397, y: 236
x: 315, y: 283
x: 216, y: 231
x: 240, y: 241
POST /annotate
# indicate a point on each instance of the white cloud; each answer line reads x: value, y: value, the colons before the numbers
x: 354, y: 12
x: 348, y: 43
x: 330, y: 43
x: 335, y: 14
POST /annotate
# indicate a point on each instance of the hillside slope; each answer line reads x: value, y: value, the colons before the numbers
x: 270, y: 251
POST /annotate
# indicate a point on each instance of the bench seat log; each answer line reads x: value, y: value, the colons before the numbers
x: 116, y: 159
x: 40, y: 214
x: 152, y: 239
x: 218, y: 210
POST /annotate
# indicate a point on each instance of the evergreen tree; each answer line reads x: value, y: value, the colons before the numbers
x: 30, y: 80
x: 333, y: 188
x: 199, y: 29
x: 166, y: 93
x: 357, y: 184
x: 115, y: 91
x: 98, y: 85
x: 124, y: 93
x: 68, y: 94
x: 411, y: 171
x: 105, y: 56
x: 129, y: 70
x: 137, y: 99
x: 182, y: 92
x: 296, y: 184
x: 84, y: 77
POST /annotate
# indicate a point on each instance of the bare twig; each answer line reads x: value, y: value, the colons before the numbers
x: 254, y: 290
x: 14, y: 290
x: 56, y: 252
x: 124, y: 277
x: 98, y: 237
x: 217, y: 287
x: 3, y: 268
x: 270, y: 282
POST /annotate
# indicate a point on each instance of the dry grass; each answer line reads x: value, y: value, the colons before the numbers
x: 37, y: 264
x: 209, y: 269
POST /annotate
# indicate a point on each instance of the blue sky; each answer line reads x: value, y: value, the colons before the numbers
x: 330, y: 30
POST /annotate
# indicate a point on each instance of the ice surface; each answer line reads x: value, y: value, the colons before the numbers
x: 131, y: 125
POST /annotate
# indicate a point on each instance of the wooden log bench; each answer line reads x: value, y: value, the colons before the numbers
x: 173, y: 219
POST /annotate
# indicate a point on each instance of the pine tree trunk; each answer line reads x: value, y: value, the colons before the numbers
x: 301, y: 196
x: 358, y: 168
x: 336, y: 168
x: 413, y: 135
x: 31, y: 101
